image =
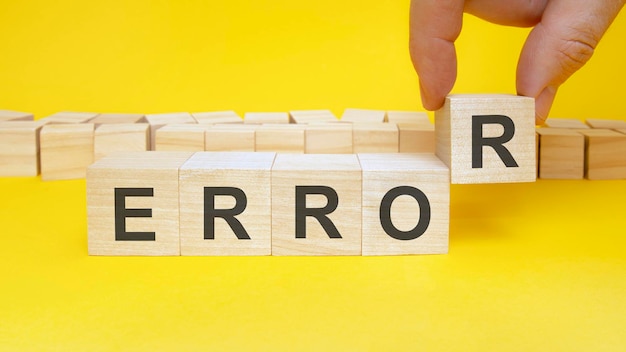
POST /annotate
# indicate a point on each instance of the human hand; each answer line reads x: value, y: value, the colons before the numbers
x: 564, y: 37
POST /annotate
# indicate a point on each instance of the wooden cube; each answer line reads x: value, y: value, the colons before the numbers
x: 157, y: 121
x: 215, y: 117
x: 316, y: 204
x: 281, y: 138
x: 19, y: 148
x: 266, y: 117
x: 607, y: 124
x: 363, y: 115
x: 118, y: 118
x: 121, y: 137
x: 180, y: 137
x: 406, y: 202
x: 416, y: 137
x: 565, y: 123
x: 10, y: 115
x: 487, y: 138
x: 69, y: 117
x: 328, y: 138
x: 398, y: 117
x: 375, y: 137
x: 225, y: 204
x: 230, y: 138
x: 561, y: 153
x: 309, y: 116
x: 132, y: 204
x: 605, y: 152
x: 66, y: 150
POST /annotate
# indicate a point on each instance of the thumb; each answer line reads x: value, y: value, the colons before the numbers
x: 560, y: 45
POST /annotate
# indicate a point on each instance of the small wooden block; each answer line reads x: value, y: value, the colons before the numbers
x: 10, y: 115
x: 363, y: 115
x: 607, y: 124
x: 266, y: 117
x: 69, y: 117
x: 225, y: 204
x: 375, y: 137
x: 157, y: 121
x: 418, y: 117
x: 416, y: 137
x: 317, y: 204
x: 406, y: 204
x: 180, y: 137
x: 604, y: 154
x: 19, y: 148
x: 565, y: 123
x: 214, y: 117
x: 309, y: 116
x: 132, y: 204
x: 117, y: 118
x: 501, y: 148
x: 230, y: 138
x: 121, y: 137
x: 66, y: 150
x: 328, y: 138
x: 280, y: 138
x: 561, y: 153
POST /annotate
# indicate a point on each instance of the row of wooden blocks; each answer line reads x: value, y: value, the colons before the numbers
x: 61, y: 146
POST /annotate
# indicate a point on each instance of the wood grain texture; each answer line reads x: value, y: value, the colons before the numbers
x: 363, y: 115
x: 19, y: 148
x: 121, y: 137
x: 215, y: 117
x: 153, y: 170
x: 231, y: 137
x: 425, y: 172
x: 280, y: 138
x: 266, y: 117
x: 604, y: 154
x: 328, y: 138
x: 69, y: 117
x: 453, y: 131
x: 561, y: 153
x: 157, y: 121
x: 419, y: 117
x: 66, y: 150
x: 249, y: 172
x: 342, y: 173
x: 10, y: 115
x: 606, y: 124
x: 118, y: 118
x: 557, y: 122
x: 309, y: 116
x: 375, y: 137
x: 180, y: 137
x: 416, y: 137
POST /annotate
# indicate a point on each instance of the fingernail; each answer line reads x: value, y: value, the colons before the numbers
x: 543, y: 104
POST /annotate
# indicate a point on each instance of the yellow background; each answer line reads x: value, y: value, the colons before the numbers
x: 538, y: 266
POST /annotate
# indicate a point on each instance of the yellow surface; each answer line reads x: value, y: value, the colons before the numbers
x: 531, y: 267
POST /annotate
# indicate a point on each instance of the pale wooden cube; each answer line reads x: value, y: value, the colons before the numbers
x: 266, y: 117
x: 70, y: 117
x: 230, y: 138
x: 225, y: 204
x: 133, y: 204
x: 375, y: 137
x: 406, y: 204
x: 605, y: 152
x: 363, y: 115
x: 157, y: 121
x: 118, y: 118
x: 66, y: 150
x: 416, y: 137
x: 419, y: 117
x: 561, y: 153
x: 565, y: 123
x: 316, y: 204
x: 311, y: 116
x: 502, y: 147
x: 10, y: 115
x: 19, y: 148
x: 328, y: 138
x: 121, y: 137
x: 180, y: 137
x: 280, y: 138
x: 215, y: 117
x: 607, y: 124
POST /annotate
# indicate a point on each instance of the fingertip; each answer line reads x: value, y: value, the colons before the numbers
x: 430, y: 101
x: 543, y: 104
